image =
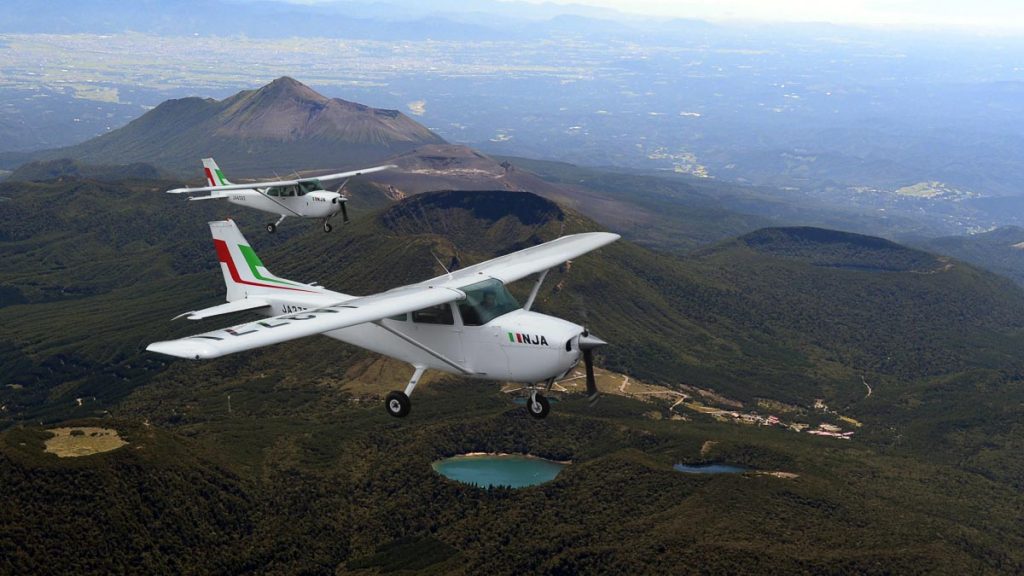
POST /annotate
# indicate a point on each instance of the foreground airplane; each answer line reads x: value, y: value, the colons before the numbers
x: 302, y: 197
x: 465, y: 322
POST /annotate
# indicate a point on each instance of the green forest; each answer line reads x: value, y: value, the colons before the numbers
x: 304, y: 472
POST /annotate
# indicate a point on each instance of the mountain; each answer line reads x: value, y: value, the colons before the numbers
x: 282, y: 126
x: 1000, y: 250
x: 66, y: 167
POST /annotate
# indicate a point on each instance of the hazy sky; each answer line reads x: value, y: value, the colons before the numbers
x: 1000, y: 15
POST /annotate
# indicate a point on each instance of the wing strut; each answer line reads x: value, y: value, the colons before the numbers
x: 433, y: 353
x: 536, y: 288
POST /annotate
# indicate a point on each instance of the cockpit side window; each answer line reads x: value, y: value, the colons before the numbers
x: 274, y: 191
x: 309, y: 186
x: 485, y: 301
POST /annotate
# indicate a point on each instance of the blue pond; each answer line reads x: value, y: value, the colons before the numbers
x: 709, y: 469
x: 487, y: 470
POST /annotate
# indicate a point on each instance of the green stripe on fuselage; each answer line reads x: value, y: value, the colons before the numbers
x: 255, y: 264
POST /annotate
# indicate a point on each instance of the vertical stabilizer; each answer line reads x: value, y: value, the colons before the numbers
x: 214, y: 177
x: 244, y: 273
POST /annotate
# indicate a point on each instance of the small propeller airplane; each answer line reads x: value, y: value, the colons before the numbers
x: 464, y: 322
x: 302, y: 197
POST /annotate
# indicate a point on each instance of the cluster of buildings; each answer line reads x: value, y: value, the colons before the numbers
x: 754, y: 419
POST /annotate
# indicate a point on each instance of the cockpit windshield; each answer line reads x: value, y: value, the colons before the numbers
x: 486, y: 301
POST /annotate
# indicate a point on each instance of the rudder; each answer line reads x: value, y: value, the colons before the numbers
x: 214, y: 176
x: 244, y: 272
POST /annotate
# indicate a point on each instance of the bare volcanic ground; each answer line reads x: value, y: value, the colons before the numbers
x: 455, y: 167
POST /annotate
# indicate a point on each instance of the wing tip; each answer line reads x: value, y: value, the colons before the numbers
x: 185, y: 348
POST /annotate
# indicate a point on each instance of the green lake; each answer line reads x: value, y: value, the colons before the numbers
x: 487, y: 470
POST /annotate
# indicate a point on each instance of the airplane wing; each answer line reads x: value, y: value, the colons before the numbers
x: 518, y: 265
x: 507, y: 268
x: 307, y: 323
x: 269, y: 184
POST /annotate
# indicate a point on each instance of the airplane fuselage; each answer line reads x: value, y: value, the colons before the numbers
x: 321, y: 204
x: 520, y: 346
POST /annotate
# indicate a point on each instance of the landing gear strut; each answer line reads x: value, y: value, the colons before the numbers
x: 397, y: 403
x: 272, y: 227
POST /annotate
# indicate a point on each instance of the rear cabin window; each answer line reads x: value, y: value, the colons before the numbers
x: 440, y: 314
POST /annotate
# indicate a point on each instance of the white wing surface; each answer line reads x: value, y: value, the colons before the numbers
x: 307, y: 323
x: 255, y: 185
x: 518, y: 265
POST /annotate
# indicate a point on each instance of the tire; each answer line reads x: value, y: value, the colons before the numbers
x: 539, y: 408
x: 271, y: 227
x: 327, y: 227
x: 397, y: 404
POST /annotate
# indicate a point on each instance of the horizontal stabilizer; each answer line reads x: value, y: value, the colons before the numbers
x: 210, y: 197
x: 228, y: 308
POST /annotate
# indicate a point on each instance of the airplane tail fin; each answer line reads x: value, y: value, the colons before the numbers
x: 244, y: 273
x: 214, y: 176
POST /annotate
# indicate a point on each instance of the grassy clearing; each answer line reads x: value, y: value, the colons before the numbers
x: 83, y: 441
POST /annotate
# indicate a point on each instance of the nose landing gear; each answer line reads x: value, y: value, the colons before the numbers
x: 537, y: 405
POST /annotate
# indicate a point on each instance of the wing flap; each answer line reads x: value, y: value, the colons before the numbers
x: 307, y: 323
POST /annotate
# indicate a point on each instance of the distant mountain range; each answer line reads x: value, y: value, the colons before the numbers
x: 280, y: 127
x: 391, y: 20
x: 1000, y: 250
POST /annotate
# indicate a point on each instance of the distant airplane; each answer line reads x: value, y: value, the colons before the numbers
x: 465, y: 322
x: 302, y: 197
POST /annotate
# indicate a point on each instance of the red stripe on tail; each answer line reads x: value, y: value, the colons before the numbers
x: 224, y: 255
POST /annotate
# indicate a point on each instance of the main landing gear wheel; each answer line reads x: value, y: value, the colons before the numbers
x: 271, y: 227
x: 538, y: 406
x: 397, y: 404
x: 328, y: 227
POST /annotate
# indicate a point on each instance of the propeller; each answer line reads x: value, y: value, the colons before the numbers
x: 587, y: 344
x: 342, y: 200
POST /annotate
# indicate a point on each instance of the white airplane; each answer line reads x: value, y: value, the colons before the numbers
x: 302, y: 197
x: 465, y: 322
